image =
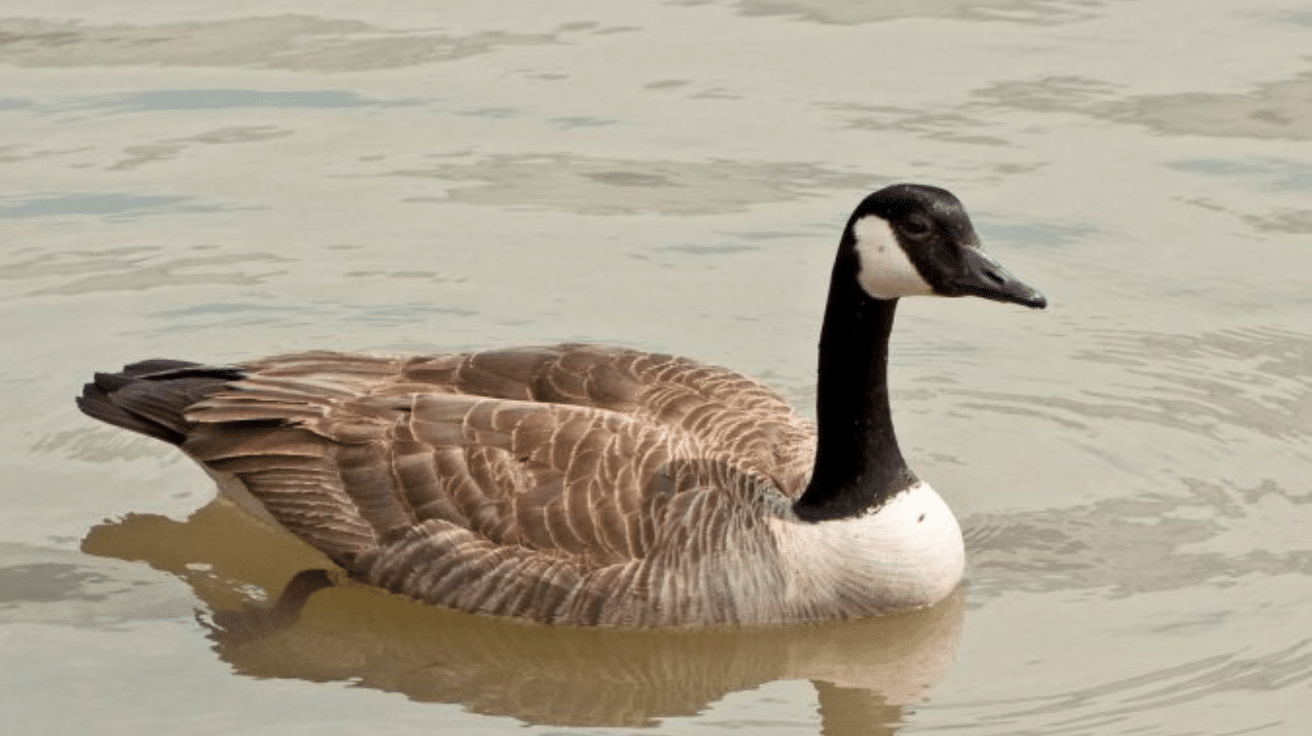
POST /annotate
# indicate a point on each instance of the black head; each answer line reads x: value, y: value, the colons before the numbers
x: 912, y: 239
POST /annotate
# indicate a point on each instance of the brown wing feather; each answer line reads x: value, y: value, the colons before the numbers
x: 726, y: 410
x: 571, y: 483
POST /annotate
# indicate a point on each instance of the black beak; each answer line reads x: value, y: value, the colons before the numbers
x: 983, y: 276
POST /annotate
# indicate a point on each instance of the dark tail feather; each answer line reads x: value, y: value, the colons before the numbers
x: 152, y: 397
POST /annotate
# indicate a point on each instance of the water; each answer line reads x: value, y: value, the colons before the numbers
x: 1131, y: 467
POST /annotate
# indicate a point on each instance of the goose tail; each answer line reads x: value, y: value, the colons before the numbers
x: 152, y: 397
x: 271, y: 467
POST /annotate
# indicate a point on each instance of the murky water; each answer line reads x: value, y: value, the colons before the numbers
x: 1132, y: 468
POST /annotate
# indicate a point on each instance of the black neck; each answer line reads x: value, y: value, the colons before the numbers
x: 858, y: 465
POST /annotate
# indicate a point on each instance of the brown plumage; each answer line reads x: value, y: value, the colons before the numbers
x: 575, y: 484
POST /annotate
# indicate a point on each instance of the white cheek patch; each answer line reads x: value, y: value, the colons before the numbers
x: 886, y: 271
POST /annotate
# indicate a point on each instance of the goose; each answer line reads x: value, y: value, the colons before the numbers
x: 581, y: 484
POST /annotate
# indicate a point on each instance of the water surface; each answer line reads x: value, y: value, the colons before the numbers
x: 1131, y: 467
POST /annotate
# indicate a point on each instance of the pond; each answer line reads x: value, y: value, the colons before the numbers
x: 1132, y: 467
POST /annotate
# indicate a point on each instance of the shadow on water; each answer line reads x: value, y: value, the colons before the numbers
x: 865, y: 672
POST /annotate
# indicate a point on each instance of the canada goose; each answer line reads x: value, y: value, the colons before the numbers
x: 582, y: 484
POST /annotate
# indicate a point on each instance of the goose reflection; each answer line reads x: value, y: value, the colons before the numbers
x: 322, y: 629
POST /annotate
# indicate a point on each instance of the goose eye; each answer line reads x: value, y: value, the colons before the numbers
x: 916, y: 227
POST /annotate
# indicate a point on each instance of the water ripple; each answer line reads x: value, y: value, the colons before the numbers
x: 602, y: 186
x: 297, y: 42
x: 1277, y: 109
x: 1129, y: 705
x: 1207, y: 384
x: 852, y: 12
x: 134, y: 269
x: 1147, y: 543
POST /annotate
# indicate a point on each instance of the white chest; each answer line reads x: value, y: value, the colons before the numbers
x: 906, y: 555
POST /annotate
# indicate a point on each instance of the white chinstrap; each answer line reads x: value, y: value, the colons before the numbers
x: 886, y: 270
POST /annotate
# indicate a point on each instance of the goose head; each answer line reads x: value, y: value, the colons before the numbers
x: 903, y: 240
x: 912, y: 239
